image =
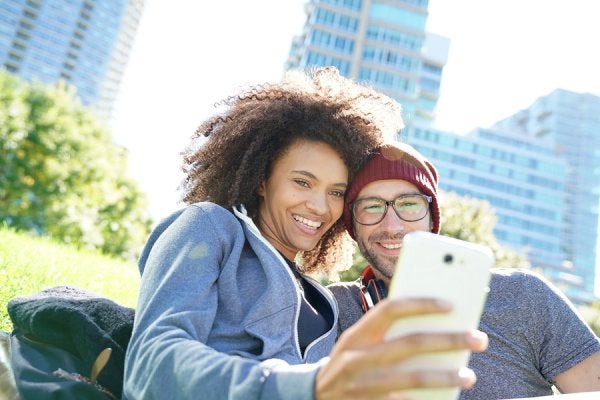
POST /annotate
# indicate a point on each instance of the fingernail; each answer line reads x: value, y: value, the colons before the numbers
x: 467, y: 377
x: 445, y: 304
x: 478, y: 339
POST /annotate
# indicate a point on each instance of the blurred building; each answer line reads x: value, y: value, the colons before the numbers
x: 571, y: 121
x: 85, y: 43
x: 523, y: 181
x: 382, y: 42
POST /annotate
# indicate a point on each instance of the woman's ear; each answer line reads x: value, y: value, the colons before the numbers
x: 260, y: 190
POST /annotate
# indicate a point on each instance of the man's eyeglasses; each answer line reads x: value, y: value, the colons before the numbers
x: 408, y: 207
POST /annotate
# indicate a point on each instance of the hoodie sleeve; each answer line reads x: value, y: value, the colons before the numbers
x: 167, y: 357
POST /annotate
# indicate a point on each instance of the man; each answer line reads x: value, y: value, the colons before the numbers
x: 536, y: 337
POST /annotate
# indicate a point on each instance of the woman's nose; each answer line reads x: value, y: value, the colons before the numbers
x: 318, y: 203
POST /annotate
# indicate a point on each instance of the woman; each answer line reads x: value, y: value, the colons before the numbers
x: 225, y: 309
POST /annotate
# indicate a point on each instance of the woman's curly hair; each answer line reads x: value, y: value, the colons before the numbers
x: 231, y: 153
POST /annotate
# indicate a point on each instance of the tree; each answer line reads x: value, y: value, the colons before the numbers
x: 473, y: 220
x: 463, y: 218
x: 591, y: 314
x: 61, y: 174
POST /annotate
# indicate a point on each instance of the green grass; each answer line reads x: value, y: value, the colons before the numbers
x: 29, y: 264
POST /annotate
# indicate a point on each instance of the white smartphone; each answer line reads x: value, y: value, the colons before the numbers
x: 454, y: 270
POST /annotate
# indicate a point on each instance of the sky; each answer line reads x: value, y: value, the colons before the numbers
x: 187, y: 55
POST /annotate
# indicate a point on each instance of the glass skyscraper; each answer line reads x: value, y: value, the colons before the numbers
x: 85, y: 43
x: 382, y: 42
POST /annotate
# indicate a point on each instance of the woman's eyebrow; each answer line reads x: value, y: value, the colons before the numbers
x: 313, y: 176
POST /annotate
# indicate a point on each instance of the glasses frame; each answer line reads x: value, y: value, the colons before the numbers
x: 388, y: 203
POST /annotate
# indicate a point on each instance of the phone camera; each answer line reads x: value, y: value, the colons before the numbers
x: 448, y: 259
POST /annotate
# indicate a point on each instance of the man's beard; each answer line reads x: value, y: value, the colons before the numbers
x: 384, y: 265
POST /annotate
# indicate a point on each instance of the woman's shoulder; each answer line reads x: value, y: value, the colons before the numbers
x: 209, y: 207
x: 206, y: 209
x: 194, y: 223
x: 198, y: 219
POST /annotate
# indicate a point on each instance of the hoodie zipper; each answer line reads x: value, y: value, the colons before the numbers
x: 333, y: 304
x: 242, y: 214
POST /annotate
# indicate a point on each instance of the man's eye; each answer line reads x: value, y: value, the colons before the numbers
x: 410, y: 207
x: 373, y: 208
x: 408, y: 204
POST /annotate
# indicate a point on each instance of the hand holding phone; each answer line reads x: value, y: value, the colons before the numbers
x: 441, y: 267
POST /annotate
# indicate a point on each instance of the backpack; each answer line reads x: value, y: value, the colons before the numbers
x: 67, y: 343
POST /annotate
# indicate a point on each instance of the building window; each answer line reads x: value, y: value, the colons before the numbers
x: 398, y: 16
x: 350, y: 4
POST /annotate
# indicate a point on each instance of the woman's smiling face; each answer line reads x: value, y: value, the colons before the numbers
x: 303, y: 197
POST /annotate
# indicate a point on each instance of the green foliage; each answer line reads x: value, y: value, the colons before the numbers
x: 29, y: 264
x: 591, y: 314
x: 473, y: 220
x: 358, y: 264
x: 463, y: 218
x: 61, y: 174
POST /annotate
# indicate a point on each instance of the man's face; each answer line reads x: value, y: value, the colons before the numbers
x: 381, y: 243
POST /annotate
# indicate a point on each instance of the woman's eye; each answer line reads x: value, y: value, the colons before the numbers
x: 301, y: 182
x: 338, y: 193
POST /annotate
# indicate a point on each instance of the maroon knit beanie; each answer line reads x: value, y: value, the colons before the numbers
x: 396, y: 161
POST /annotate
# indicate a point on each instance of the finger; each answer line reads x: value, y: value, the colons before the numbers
x: 410, y: 345
x: 373, y: 326
x: 354, y: 362
x: 478, y: 340
x: 392, y: 380
x: 390, y: 353
x: 381, y: 383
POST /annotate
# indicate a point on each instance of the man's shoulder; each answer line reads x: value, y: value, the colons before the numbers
x: 345, y: 290
x: 514, y: 280
x: 347, y: 295
x: 518, y: 292
x: 525, y: 303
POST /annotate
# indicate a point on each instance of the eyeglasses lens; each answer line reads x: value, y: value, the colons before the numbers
x: 371, y: 211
